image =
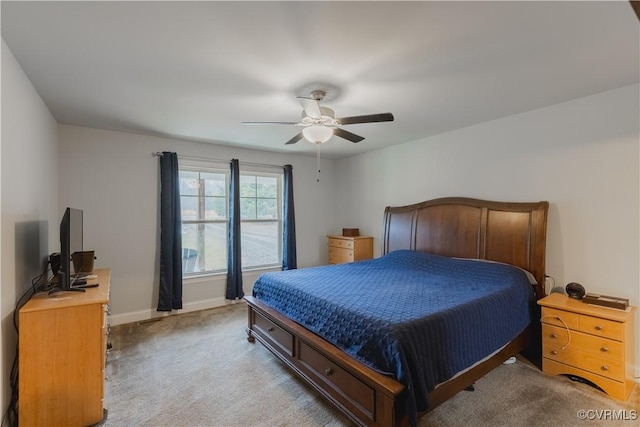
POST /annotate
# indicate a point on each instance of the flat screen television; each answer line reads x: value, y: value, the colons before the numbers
x: 70, y: 242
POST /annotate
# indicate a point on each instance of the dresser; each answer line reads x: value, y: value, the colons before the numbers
x: 592, y: 342
x: 348, y: 249
x: 62, y: 355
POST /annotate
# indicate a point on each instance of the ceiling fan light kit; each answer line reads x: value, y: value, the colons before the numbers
x: 317, y: 134
x: 320, y: 124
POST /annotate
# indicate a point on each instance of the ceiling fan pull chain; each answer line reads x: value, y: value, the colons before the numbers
x: 318, y: 161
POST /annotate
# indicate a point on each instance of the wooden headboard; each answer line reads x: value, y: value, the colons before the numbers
x: 513, y: 233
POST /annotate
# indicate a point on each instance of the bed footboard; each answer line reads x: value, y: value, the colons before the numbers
x: 365, y: 396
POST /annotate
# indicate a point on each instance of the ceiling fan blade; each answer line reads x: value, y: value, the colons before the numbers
x: 383, y: 117
x: 270, y: 123
x: 311, y: 107
x: 295, y: 139
x: 347, y: 135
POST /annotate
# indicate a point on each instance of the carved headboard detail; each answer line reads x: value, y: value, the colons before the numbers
x: 513, y: 233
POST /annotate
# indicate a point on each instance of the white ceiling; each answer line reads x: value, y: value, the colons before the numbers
x: 196, y: 70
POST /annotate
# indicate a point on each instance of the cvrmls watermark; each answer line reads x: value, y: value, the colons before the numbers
x: 607, y: 414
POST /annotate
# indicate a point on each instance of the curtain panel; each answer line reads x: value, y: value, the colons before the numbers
x: 234, y: 253
x: 170, y: 293
x: 289, y: 259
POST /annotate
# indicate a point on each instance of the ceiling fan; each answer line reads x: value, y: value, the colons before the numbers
x: 320, y: 124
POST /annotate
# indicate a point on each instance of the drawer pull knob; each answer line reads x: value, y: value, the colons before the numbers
x: 604, y: 349
x: 554, y: 336
x: 598, y: 328
x: 605, y: 368
x: 554, y: 352
x: 328, y: 371
x: 270, y: 329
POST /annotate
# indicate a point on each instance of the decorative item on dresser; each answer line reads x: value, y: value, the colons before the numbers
x: 591, y: 342
x: 349, y: 248
x: 62, y: 356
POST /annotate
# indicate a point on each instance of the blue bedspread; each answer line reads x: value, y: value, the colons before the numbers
x: 418, y: 317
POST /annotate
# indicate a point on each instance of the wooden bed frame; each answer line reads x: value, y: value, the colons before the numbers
x: 513, y: 233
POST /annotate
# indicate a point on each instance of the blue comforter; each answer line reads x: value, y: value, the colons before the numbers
x: 418, y: 317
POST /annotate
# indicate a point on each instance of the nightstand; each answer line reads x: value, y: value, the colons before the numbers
x: 348, y: 249
x: 592, y: 342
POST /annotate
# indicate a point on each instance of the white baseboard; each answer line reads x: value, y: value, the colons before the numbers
x: 138, y: 316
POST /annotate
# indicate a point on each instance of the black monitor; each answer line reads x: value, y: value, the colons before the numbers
x: 70, y: 242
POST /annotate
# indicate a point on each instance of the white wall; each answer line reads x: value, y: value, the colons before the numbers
x: 29, y: 197
x: 114, y: 179
x: 582, y: 156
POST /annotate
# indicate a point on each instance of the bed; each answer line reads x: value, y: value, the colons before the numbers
x: 371, y: 361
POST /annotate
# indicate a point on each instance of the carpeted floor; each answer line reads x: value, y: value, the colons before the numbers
x: 198, y: 369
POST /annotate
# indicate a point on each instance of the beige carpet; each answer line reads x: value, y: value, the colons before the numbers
x: 198, y: 369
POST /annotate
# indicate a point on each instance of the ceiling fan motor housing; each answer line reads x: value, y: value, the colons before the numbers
x: 327, y: 119
x: 318, y: 95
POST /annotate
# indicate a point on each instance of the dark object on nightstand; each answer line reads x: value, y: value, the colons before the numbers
x: 606, y: 301
x: 351, y: 232
x: 575, y: 290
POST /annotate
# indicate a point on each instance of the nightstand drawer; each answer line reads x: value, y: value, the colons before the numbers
x: 340, y: 243
x: 616, y: 389
x: 339, y: 255
x: 560, y: 318
x: 598, y: 365
x: 589, y: 324
x: 597, y: 346
x: 602, y: 327
x: 555, y: 335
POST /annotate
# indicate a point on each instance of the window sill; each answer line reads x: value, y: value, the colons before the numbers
x: 263, y: 269
x: 205, y: 277
x: 208, y: 277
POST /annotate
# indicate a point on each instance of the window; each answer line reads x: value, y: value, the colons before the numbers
x: 204, y: 202
x: 261, y: 224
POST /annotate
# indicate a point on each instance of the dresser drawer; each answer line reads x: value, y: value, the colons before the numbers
x: 597, y: 346
x: 602, y: 327
x: 340, y: 243
x: 609, y: 368
x: 560, y: 318
x: 351, y: 390
x: 276, y: 337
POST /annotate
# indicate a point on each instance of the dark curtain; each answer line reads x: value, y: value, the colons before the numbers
x: 289, y: 260
x: 234, y: 254
x: 170, y: 295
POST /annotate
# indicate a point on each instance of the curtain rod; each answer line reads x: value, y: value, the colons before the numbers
x: 209, y: 159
